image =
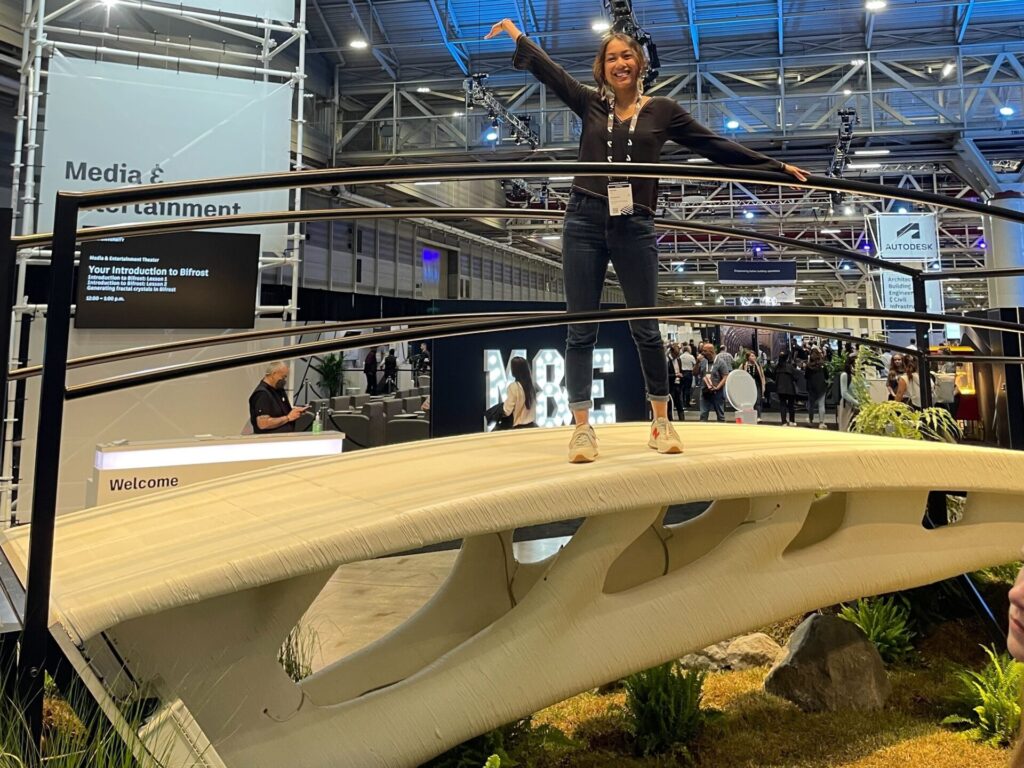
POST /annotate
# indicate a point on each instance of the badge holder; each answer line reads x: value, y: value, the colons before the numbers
x: 620, y: 198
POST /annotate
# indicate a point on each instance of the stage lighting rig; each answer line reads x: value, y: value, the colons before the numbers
x: 479, y: 95
x: 841, y: 153
x: 624, y: 20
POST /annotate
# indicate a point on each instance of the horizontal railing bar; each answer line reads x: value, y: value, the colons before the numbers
x: 327, y: 214
x: 381, y: 174
x: 170, y: 373
x: 131, y: 353
x: 969, y: 273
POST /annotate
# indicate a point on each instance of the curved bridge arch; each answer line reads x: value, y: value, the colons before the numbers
x: 202, y: 584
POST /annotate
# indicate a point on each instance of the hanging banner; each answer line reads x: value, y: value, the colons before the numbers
x: 779, y: 294
x: 113, y: 125
x: 756, y: 272
x: 275, y: 10
x: 898, y: 293
x: 905, y: 236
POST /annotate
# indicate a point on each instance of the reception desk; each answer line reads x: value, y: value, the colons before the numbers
x: 127, y: 470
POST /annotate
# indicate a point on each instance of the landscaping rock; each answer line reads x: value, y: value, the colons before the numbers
x: 744, y: 652
x: 711, y: 658
x: 830, y: 665
x: 756, y: 650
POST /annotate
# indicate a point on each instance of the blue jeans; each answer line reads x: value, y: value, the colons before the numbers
x: 716, y: 401
x: 590, y: 238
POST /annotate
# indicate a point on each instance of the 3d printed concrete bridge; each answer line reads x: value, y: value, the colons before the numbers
x: 195, y: 589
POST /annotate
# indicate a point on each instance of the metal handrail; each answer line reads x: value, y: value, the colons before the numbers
x: 92, y: 234
x: 378, y: 174
x: 445, y: 330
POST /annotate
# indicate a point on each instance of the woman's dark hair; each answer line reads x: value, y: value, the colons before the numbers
x: 783, y: 356
x: 521, y: 373
x: 849, y: 365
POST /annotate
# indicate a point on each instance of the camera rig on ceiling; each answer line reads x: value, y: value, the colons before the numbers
x: 479, y: 95
x: 841, y: 153
x: 624, y: 20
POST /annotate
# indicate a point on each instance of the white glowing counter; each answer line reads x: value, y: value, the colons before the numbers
x: 125, y: 470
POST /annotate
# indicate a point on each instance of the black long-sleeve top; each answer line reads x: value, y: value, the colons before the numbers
x: 660, y: 120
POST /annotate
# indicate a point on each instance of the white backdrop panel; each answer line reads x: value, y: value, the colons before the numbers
x: 275, y: 10
x: 110, y: 125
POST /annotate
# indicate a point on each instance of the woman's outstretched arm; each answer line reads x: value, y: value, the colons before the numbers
x: 530, y: 56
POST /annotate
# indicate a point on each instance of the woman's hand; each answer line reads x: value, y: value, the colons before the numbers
x: 797, y: 173
x: 506, y: 26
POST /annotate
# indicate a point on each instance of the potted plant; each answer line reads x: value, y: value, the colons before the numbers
x: 330, y: 369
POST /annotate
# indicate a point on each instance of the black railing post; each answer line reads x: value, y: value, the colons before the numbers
x: 923, y: 337
x: 35, y: 635
x: 8, y: 254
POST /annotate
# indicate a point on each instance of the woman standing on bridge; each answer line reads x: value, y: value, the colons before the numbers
x: 612, y: 218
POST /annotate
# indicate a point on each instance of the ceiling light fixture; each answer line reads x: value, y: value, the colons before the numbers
x: 948, y: 69
x: 1006, y: 111
x: 863, y: 166
x: 359, y: 44
x: 697, y: 160
x: 830, y: 231
x: 422, y: 89
x: 732, y: 125
x: 600, y: 26
x: 847, y: 92
x: 871, y: 152
x: 875, y: 5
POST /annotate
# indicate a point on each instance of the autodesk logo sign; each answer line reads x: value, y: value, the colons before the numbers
x: 548, y: 373
x: 914, y: 229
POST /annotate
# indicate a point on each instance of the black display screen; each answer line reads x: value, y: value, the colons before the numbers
x: 180, y: 280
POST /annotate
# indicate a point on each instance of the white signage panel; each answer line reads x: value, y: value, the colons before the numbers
x: 111, y: 125
x: 906, y: 236
x: 275, y: 10
x: 779, y: 294
x: 897, y: 291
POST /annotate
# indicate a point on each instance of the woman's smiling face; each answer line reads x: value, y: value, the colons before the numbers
x: 621, y: 66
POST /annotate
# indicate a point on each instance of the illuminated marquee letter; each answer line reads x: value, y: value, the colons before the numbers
x: 548, y: 375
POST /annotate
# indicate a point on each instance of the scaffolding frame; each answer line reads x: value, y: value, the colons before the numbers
x: 42, y: 36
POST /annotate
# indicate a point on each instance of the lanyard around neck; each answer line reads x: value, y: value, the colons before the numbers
x: 632, y: 127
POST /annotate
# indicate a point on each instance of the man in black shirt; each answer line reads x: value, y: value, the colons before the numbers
x: 269, y: 409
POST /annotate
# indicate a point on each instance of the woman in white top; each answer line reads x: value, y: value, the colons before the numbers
x: 909, y: 388
x: 521, y: 398
x: 848, y: 404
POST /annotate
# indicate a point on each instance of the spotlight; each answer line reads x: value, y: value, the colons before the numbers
x: 981, y: 243
x: 491, y: 135
x: 1006, y: 111
x: 748, y: 214
x: 600, y: 26
x: 847, y: 92
x: 901, y: 209
x: 848, y: 210
x: 422, y: 89
x: 857, y: 62
x: 875, y: 5
x: 359, y: 44
x: 732, y: 125
x: 847, y: 267
x: 948, y: 69
x: 867, y: 247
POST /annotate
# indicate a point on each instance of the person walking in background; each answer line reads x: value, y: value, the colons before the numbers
x: 753, y: 367
x: 814, y: 374
x: 687, y: 362
x: 521, y: 397
x: 785, y: 388
x: 714, y: 370
x: 848, y: 404
x: 612, y: 219
x: 370, y: 369
x: 390, y: 383
x: 892, y: 379
x: 675, y: 380
x: 908, y: 385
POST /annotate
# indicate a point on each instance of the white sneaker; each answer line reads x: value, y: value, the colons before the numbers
x: 664, y: 438
x: 823, y: 426
x: 583, y: 445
